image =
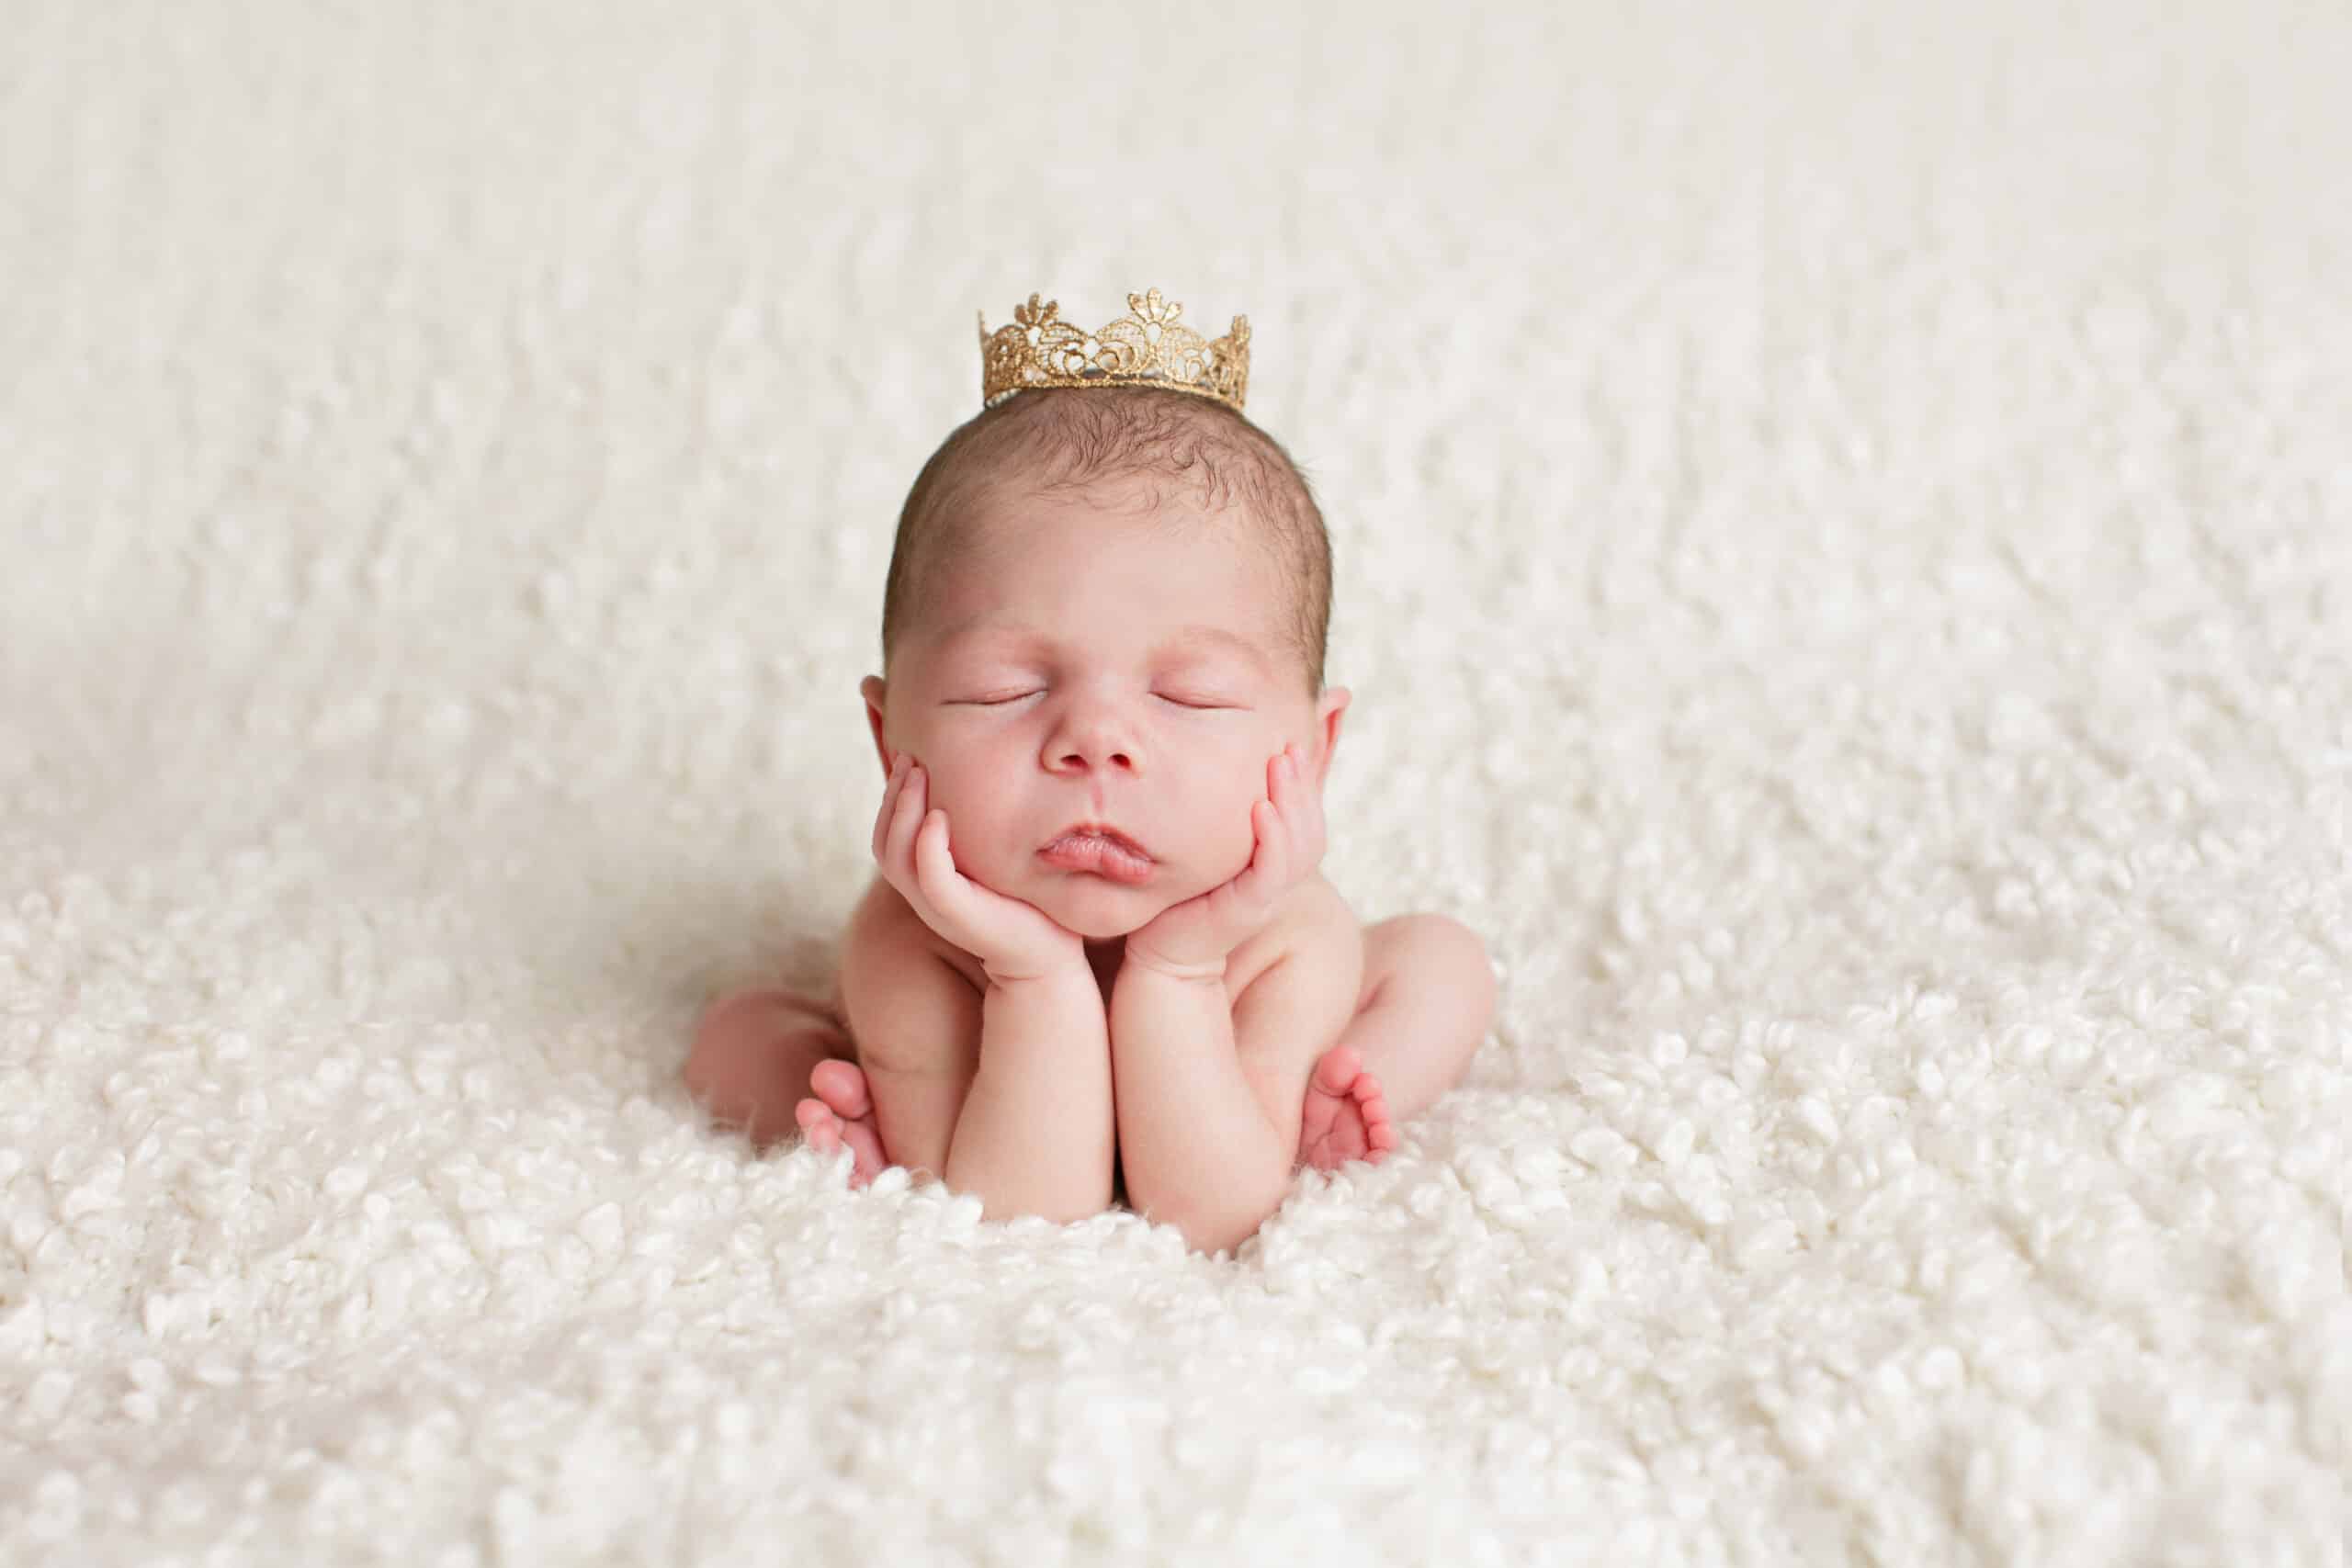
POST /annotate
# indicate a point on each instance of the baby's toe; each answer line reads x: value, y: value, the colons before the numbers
x: 867, y: 1160
x: 1338, y: 1070
x: 841, y: 1085
x: 819, y: 1125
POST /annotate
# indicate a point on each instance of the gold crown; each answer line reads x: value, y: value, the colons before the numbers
x: 1145, y: 347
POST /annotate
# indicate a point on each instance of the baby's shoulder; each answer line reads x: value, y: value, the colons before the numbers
x: 884, y: 929
x: 1319, y: 909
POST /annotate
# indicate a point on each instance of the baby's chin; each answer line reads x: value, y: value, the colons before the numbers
x: 1098, y: 908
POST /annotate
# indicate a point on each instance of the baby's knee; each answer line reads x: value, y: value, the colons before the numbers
x: 1457, y: 954
x: 741, y: 1026
x: 727, y: 1019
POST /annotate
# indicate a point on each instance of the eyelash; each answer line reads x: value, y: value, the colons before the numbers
x: 1000, y: 701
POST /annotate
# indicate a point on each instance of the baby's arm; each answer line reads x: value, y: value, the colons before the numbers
x: 1032, y: 1116
x: 1035, y: 1136
x: 1003, y: 1093
x: 1204, y: 1145
x: 1199, y: 1150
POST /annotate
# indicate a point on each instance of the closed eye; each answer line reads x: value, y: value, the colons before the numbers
x: 1018, y: 696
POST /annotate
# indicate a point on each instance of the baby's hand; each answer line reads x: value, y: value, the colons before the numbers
x: 1192, y: 938
x: 1012, y: 940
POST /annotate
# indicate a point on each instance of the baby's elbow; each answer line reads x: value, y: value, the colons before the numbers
x: 1207, y: 1234
x: 1215, y: 1226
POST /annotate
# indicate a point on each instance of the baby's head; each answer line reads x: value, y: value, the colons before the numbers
x: 1106, y: 605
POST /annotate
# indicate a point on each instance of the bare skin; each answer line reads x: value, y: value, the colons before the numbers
x: 774, y: 1061
x: 1344, y: 1116
x: 1249, y: 1024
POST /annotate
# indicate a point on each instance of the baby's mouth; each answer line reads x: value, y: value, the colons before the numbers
x: 1104, y: 851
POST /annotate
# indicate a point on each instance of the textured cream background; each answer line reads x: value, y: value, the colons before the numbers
x: 1842, y: 523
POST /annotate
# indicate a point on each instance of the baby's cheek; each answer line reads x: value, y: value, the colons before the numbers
x: 982, y: 832
x: 1223, y: 836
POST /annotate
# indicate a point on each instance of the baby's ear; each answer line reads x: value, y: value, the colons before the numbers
x: 875, y: 693
x: 1329, y: 710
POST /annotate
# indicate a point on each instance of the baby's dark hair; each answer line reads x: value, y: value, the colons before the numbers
x: 1066, y: 439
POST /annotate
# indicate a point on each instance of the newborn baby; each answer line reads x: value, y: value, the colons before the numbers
x: 1099, y: 946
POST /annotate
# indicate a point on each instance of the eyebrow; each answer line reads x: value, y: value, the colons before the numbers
x: 1195, y: 634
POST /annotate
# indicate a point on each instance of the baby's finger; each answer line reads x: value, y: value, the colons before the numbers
x: 906, y: 820
x: 1289, y: 786
x: 1281, y: 785
x: 1271, y: 864
x: 890, y: 807
x: 894, y: 811
x: 930, y: 847
x: 935, y: 870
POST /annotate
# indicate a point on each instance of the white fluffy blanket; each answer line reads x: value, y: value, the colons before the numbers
x: 1842, y: 528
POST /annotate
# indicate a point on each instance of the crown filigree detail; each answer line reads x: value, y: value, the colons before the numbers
x: 1148, y: 346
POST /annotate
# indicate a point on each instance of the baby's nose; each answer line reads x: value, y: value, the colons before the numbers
x: 1093, y: 732
x: 1099, y: 757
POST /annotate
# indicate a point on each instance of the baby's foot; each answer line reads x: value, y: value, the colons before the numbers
x: 842, y: 1112
x: 1345, y: 1117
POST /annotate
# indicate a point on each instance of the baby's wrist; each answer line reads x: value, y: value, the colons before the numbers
x: 1196, y: 971
x: 1031, y: 974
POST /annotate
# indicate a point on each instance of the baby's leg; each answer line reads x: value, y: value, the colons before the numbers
x: 1428, y: 995
x: 754, y: 1056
